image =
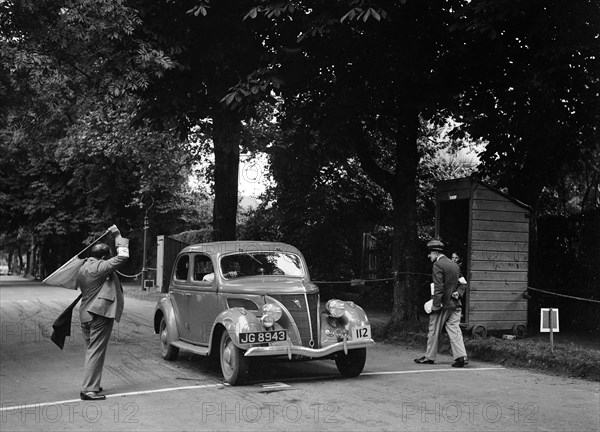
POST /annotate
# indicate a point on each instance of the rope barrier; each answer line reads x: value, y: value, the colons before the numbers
x: 135, y: 275
x: 361, y: 281
x: 364, y: 281
x: 129, y: 276
x: 564, y: 295
x: 414, y: 274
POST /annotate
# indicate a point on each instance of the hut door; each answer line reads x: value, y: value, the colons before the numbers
x: 453, y: 230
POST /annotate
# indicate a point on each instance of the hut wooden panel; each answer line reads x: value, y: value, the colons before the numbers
x: 490, y: 230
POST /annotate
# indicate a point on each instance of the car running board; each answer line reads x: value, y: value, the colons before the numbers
x: 200, y: 350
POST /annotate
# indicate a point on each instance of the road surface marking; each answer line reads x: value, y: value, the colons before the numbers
x: 205, y: 386
x: 15, y: 301
x: 70, y: 401
x: 432, y: 370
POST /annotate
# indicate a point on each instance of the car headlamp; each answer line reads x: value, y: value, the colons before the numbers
x: 335, y: 308
x: 272, y: 310
x: 267, y: 321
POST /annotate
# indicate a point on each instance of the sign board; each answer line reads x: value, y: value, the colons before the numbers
x: 545, y: 320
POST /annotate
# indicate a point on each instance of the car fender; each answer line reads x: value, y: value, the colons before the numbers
x: 238, y: 320
x: 165, y: 308
x: 354, y: 316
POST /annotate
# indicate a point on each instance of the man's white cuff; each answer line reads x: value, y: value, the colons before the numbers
x: 122, y: 247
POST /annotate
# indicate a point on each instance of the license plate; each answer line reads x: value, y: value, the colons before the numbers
x: 262, y: 337
x: 363, y: 332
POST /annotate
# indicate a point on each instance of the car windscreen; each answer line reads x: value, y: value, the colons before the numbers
x: 275, y: 263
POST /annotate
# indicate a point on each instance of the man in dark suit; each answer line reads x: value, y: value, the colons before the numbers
x: 101, y: 304
x: 446, y: 309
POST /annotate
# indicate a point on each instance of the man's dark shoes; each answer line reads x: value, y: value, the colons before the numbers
x: 460, y: 362
x: 424, y: 360
x: 91, y: 396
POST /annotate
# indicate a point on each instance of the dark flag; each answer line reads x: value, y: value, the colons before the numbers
x: 62, y: 325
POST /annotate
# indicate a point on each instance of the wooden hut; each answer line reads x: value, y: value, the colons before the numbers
x: 490, y: 232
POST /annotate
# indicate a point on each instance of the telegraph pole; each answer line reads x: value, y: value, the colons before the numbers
x: 144, y: 259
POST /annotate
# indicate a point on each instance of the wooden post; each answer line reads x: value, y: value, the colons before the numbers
x: 551, y: 332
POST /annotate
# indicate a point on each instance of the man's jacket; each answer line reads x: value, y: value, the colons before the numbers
x: 102, y: 293
x: 445, y: 275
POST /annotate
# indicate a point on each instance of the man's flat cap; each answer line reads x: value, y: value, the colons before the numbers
x: 435, y: 245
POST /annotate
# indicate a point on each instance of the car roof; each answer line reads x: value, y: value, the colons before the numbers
x: 225, y: 247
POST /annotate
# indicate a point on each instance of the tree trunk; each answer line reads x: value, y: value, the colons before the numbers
x: 10, y: 261
x: 35, y: 258
x: 226, y: 139
x: 404, y: 259
x: 402, y: 187
x: 405, y: 237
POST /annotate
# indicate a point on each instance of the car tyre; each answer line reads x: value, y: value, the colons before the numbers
x: 168, y: 351
x: 353, y: 363
x: 234, y: 365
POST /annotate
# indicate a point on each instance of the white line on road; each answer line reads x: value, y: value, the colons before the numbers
x: 432, y: 370
x: 10, y: 407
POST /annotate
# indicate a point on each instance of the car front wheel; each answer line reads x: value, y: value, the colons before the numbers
x: 233, y: 363
x: 168, y: 351
x: 353, y: 363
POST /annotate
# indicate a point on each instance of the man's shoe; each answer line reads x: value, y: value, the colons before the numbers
x: 459, y: 362
x: 91, y: 396
x: 424, y: 360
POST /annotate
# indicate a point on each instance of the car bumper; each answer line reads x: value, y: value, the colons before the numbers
x: 289, y: 349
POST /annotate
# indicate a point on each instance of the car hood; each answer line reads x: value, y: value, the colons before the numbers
x: 268, y: 285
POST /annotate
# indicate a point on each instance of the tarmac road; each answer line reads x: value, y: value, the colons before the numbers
x: 39, y: 385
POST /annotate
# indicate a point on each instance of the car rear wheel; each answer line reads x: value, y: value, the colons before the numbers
x: 168, y: 351
x: 233, y: 363
x: 353, y: 363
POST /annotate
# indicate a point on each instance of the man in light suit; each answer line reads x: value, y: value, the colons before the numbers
x: 101, y: 304
x: 446, y: 309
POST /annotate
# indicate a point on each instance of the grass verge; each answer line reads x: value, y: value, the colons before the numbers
x: 579, y: 358
x: 569, y: 360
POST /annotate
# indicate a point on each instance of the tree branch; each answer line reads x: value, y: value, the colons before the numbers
x: 379, y: 175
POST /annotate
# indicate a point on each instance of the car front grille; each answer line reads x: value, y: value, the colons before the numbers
x: 305, y: 319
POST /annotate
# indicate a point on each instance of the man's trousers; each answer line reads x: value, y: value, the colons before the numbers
x: 451, y: 319
x: 96, y: 334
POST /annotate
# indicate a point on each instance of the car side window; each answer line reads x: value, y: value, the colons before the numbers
x: 183, y: 265
x: 202, y: 267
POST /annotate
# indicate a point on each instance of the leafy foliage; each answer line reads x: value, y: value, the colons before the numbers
x: 537, y: 98
x: 73, y: 161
